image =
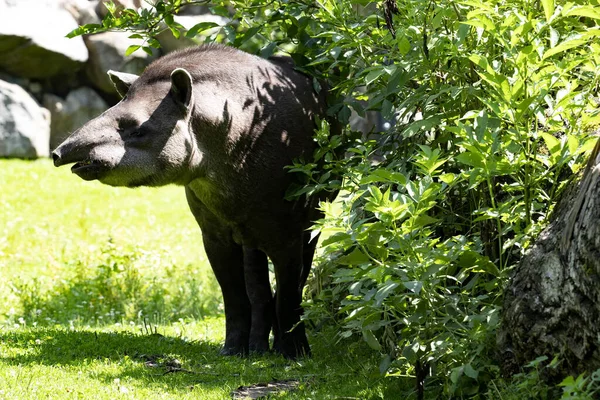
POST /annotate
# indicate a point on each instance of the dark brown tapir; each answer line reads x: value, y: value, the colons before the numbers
x: 224, y: 124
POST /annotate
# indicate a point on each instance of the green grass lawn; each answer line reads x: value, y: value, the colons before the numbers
x: 106, y: 293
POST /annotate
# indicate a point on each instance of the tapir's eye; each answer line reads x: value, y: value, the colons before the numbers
x: 130, y: 132
x: 128, y: 126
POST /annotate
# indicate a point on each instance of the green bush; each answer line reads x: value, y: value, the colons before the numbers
x: 122, y: 287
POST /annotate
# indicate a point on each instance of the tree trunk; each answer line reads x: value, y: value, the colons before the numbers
x: 552, y: 304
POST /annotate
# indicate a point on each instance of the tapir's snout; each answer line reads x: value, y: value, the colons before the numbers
x: 79, y: 156
x: 57, y: 159
x: 65, y: 154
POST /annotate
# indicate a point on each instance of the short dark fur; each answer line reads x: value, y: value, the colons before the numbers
x: 224, y: 124
x: 203, y: 63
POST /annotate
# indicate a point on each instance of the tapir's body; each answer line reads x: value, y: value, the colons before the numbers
x: 224, y: 124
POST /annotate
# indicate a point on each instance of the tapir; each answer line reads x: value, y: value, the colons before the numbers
x: 224, y: 124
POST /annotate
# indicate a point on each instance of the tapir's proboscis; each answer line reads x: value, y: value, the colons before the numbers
x: 224, y: 124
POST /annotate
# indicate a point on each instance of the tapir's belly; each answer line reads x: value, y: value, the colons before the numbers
x: 254, y: 224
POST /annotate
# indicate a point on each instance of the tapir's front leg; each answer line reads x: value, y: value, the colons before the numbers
x: 227, y: 261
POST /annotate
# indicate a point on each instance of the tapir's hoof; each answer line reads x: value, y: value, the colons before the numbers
x: 233, y: 351
x: 292, y: 346
x: 259, y: 347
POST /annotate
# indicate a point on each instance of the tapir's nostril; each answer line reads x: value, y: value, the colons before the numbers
x: 56, y: 158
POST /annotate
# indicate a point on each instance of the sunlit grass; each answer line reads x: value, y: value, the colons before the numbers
x: 57, y: 230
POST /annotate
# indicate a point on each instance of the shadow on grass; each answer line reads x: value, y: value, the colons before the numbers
x: 145, y: 359
x: 160, y: 363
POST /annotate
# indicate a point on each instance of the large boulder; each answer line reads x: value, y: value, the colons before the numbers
x: 24, y: 125
x: 33, y: 42
x: 80, y: 106
x: 107, y: 51
x: 84, y: 11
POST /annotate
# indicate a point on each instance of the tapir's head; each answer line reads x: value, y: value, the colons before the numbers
x: 145, y: 139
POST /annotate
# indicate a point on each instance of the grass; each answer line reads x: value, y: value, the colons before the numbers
x: 106, y: 293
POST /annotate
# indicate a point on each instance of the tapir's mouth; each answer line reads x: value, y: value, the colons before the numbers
x: 89, y: 169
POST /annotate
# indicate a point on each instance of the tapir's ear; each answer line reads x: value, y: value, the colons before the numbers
x: 122, y: 81
x: 181, y: 86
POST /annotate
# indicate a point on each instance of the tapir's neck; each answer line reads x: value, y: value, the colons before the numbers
x: 194, y: 167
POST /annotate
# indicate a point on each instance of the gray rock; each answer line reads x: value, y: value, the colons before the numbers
x: 24, y: 125
x: 107, y: 51
x: 80, y: 106
x: 194, y: 9
x: 84, y: 11
x: 33, y: 42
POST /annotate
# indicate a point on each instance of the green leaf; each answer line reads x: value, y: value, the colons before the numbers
x: 414, y: 127
x: 413, y: 286
x: 470, y: 372
x: 176, y: 33
x: 169, y: 19
x: 583, y: 11
x: 384, y: 291
x: 356, y: 257
x: 447, y: 178
x: 371, y: 340
x: 472, y: 159
x: 384, y: 175
x: 423, y: 220
x: 456, y: 374
x: 201, y: 27
x: 403, y: 45
x: 160, y: 6
x: 572, y: 144
x: 131, y: 49
x: 523, y: 107
x: 335, y: 238
x: 385, y: 364
x: 247, y: 35
x: 564, y: 46
x: 548, y: 6
x: 84, y: 29
x: 376, y: 195
x: 387, y: 109
x: 230, y: 33
x: 568, y: 381
x: 552, y: 143
x: 268, y: 50
x: 110, y: 6
x: 373, y: 75
x: 480, y: 61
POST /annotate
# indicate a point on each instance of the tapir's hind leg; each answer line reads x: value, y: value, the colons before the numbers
x: 258, y: 287
x: 290, y: 334
x: 308, y: 252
